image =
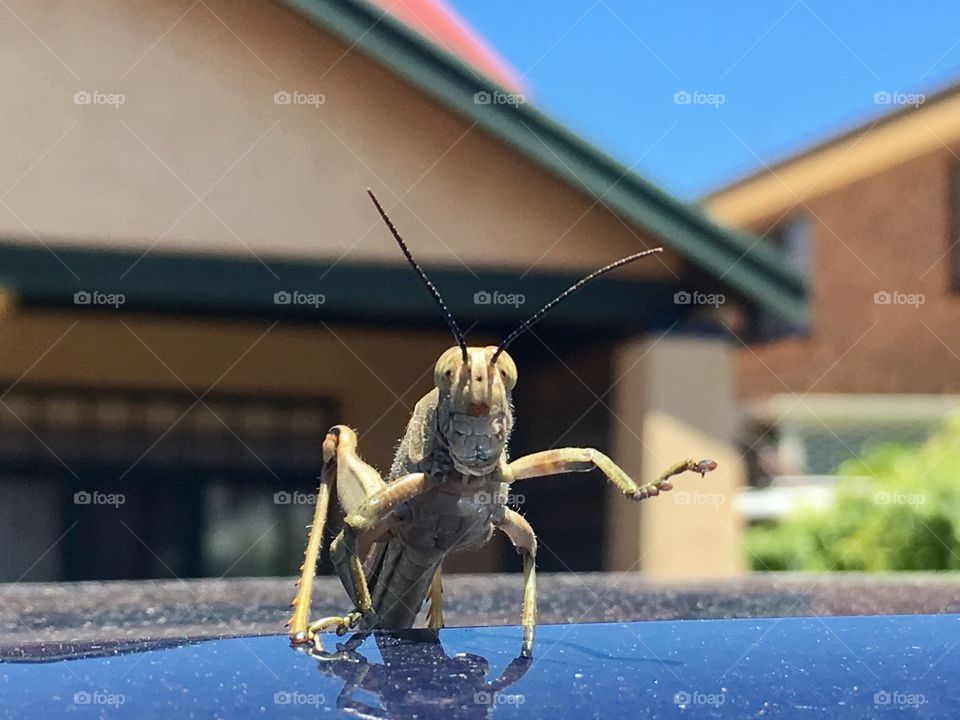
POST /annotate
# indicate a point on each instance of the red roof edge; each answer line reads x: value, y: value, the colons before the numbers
x: 441, y: 25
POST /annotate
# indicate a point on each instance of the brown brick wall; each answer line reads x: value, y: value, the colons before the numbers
x: 881, y: 233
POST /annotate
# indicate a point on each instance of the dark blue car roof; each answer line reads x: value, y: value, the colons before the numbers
x: 810, y: 667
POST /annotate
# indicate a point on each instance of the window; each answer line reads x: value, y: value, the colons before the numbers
x: 791, y: 236
x: 155, y: 484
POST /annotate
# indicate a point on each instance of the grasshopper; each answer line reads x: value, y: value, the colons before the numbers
x: 446, y: 490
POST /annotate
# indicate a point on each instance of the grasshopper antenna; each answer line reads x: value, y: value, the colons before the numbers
x: 527, y: 324
x: 454, y: 328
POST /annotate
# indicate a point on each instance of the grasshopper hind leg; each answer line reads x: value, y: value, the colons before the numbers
x: 369, y: 505
x: 298, y: 624
x: 355, y: 481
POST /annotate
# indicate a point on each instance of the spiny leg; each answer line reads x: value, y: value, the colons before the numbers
x: 355, y: 481
x: 515, y: 526
x: 435, y: 610
x: 563, y: 460
x: 299, y: 632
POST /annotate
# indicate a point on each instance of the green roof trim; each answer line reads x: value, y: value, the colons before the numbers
x: 759, y: 271
x: 362, y: 293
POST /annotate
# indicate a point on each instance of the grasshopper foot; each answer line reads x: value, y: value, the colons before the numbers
x: 301, y: 638
x: 704, y: 466
x: 663, y: 484
x: 342, y: 624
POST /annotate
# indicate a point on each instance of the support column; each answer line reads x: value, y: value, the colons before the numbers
x: 673, y: 399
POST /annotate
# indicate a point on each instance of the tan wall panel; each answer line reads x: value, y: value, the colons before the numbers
x: 363, y: 371
x: 683, y: 390
x: 276, y: 180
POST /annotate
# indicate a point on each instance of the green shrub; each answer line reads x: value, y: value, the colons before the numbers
x: 896, y: 508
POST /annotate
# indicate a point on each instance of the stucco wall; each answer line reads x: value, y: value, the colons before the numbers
x: 199, y: 120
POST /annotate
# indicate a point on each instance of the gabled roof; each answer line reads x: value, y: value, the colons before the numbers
x: 917, y: 124
x: 756, y: 269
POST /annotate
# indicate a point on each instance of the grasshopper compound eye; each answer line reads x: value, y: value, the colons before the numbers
x: 447, y: 369
x: 506, y: 367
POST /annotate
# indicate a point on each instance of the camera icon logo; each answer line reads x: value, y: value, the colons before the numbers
x: 282, y: 97
x: 482, y: 98
x: 882, y: 298
x: 682, y: 97
x: 82, y: 98
x: 482, y: 298
x: 82, y: 498
x: 882, y: 98
x: 282, y: 498
x: 281, y: 298
x: 82, y: 298
x: 682, y: 297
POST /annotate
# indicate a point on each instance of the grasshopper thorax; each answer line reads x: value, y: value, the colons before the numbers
x: 475, y: 391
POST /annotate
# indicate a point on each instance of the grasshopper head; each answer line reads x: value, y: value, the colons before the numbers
x: 477, y: 391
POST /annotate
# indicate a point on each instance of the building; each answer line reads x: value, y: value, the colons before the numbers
x: 196, y: 286
x: 870, y: 218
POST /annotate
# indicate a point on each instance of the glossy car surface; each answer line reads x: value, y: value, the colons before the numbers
x: 834, y: 667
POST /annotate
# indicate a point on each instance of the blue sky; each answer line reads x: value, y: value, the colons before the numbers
x: 788, y: 72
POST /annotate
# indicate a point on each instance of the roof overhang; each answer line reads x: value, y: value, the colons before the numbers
x: 36, y: 277
x: 867, y: 149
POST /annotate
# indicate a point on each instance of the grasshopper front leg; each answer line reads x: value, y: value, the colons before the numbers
x: 435, y: 611
x: 360, y: 529
x: 516, y: 527
x: 563, y: 460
